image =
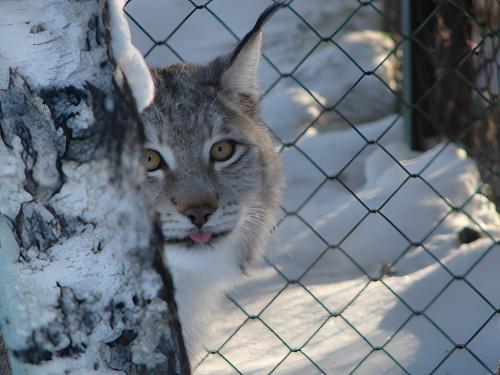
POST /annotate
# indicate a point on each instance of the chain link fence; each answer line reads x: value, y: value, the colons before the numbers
x: 385, y: 260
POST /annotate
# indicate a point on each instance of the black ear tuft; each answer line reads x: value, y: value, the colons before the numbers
x: 263, y: 18
x: 240, y: 66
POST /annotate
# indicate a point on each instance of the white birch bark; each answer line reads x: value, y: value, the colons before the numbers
x: 82, y: 287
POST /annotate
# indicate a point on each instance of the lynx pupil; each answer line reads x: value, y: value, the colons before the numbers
x: 222, y: 150
x: 153, y: 160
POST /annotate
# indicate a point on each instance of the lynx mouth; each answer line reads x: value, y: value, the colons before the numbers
x: 189, y: 242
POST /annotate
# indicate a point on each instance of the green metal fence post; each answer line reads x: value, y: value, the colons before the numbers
x: 406, y: 109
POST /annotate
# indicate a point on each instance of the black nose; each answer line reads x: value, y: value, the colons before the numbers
x: 199, y: 214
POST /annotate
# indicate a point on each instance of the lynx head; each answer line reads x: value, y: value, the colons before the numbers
x: 213, y: 174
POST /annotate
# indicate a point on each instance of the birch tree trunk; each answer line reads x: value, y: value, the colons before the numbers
x: 83, y: 289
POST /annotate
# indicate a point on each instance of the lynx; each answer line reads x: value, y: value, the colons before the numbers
x: 213, y: 176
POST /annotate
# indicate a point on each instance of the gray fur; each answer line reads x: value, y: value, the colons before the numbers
x: 197, y: 105
x: 191, y: 100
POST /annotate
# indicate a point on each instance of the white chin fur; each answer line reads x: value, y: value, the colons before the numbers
x: 218, y: 263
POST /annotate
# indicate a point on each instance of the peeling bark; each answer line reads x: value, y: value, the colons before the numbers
x: 83, y: 288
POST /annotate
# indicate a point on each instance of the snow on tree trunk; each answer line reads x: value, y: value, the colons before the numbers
x: 83, y: 289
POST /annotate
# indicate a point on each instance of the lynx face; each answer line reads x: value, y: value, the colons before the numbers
x: 212, y: 172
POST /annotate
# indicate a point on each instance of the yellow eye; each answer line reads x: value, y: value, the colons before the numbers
x: 222, y: 150
x: 153, y: 160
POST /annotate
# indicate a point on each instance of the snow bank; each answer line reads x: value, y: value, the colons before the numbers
x: 329, y: 79
x: 417, y: 260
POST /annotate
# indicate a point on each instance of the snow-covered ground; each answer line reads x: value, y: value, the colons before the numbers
x: 368, y: 272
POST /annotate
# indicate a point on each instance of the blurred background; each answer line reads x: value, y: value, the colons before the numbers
x: 386, y: 255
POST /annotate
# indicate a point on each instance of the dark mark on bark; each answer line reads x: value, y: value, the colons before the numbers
x: 26, y: 116
x: 63, y: 336
x: 36, y: 226
x: 47, y: 41
x: 93, y: 37
x: 33, y: 354
x: 101, y: 139
x: 98, y: 247
x: 38, y: 28
x: 125, y: 338
x: 119, y: 355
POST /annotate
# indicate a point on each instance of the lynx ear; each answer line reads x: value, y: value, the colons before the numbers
x: 240, y: 72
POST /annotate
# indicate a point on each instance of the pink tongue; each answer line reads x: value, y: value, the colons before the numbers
x: 201, y: 236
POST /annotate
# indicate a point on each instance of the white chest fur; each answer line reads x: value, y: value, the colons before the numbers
x: 201, y: 276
